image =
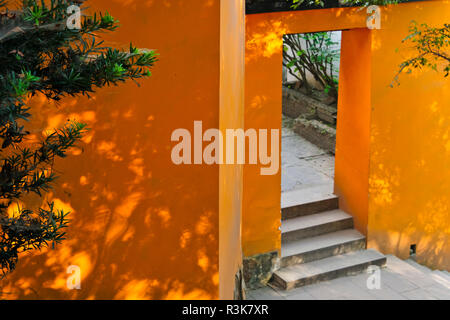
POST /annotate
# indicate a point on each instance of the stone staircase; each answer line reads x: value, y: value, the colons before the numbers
x: 319, y: 242
x: 399, y: 280
x: 440, y: 276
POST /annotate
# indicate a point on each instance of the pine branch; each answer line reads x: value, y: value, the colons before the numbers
x: 39, y: 54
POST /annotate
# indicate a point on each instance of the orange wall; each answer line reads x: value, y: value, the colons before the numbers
x: 264, y: 45
x: 393, y: 145
x: 410, y: 145
x: 143, y: 228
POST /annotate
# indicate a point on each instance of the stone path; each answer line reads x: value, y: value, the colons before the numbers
x: 303, y: 165
x: 400, y: 280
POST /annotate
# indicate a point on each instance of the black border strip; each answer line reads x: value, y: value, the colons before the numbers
x: 266, y: 6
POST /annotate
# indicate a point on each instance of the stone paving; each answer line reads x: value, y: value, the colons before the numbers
x: 398, y: 281
x: 303, y: 165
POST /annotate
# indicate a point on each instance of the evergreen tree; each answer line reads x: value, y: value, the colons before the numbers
x: 432, y: 49
x: 43, y: 50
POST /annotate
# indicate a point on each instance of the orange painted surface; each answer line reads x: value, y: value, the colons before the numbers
x: 232, y: 64
x: 353, y: 126
x: 264, y: 45
x: 392, y: 144
x: 142, y: 227
x: 410, y: 145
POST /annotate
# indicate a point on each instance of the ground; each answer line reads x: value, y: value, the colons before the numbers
x: 305, y: 166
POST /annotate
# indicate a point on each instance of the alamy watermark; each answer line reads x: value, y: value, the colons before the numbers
x: 218, y: 151
x: 373, y: 19
x: 229, y: 147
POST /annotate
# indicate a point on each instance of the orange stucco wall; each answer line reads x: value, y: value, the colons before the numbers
x: 409, y: 184
x: 392, y: 144
x: 263, y: 95
x: 142, y: 227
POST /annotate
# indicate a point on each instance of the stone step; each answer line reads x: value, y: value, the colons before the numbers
x: 307, y: 201
x: 320, y: 247
x: 315, y: 225
x: 327, y: 269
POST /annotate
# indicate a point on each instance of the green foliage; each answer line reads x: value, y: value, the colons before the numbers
x: 431, y: 46
x: 39, y: 54
x: 315, y: 53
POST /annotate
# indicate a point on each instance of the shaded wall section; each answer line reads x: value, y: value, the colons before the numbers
x: 353, y: 126
x: 409, y: 182
x: 142, y: 228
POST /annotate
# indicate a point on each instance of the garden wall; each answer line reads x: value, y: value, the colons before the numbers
x: 143, y: 227
x: 314, y: 120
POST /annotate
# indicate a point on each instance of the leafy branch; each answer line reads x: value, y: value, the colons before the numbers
x: 432, y: 49
x: 39, y: 54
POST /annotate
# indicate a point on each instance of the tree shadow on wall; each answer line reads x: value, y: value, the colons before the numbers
x: 142, y: 228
